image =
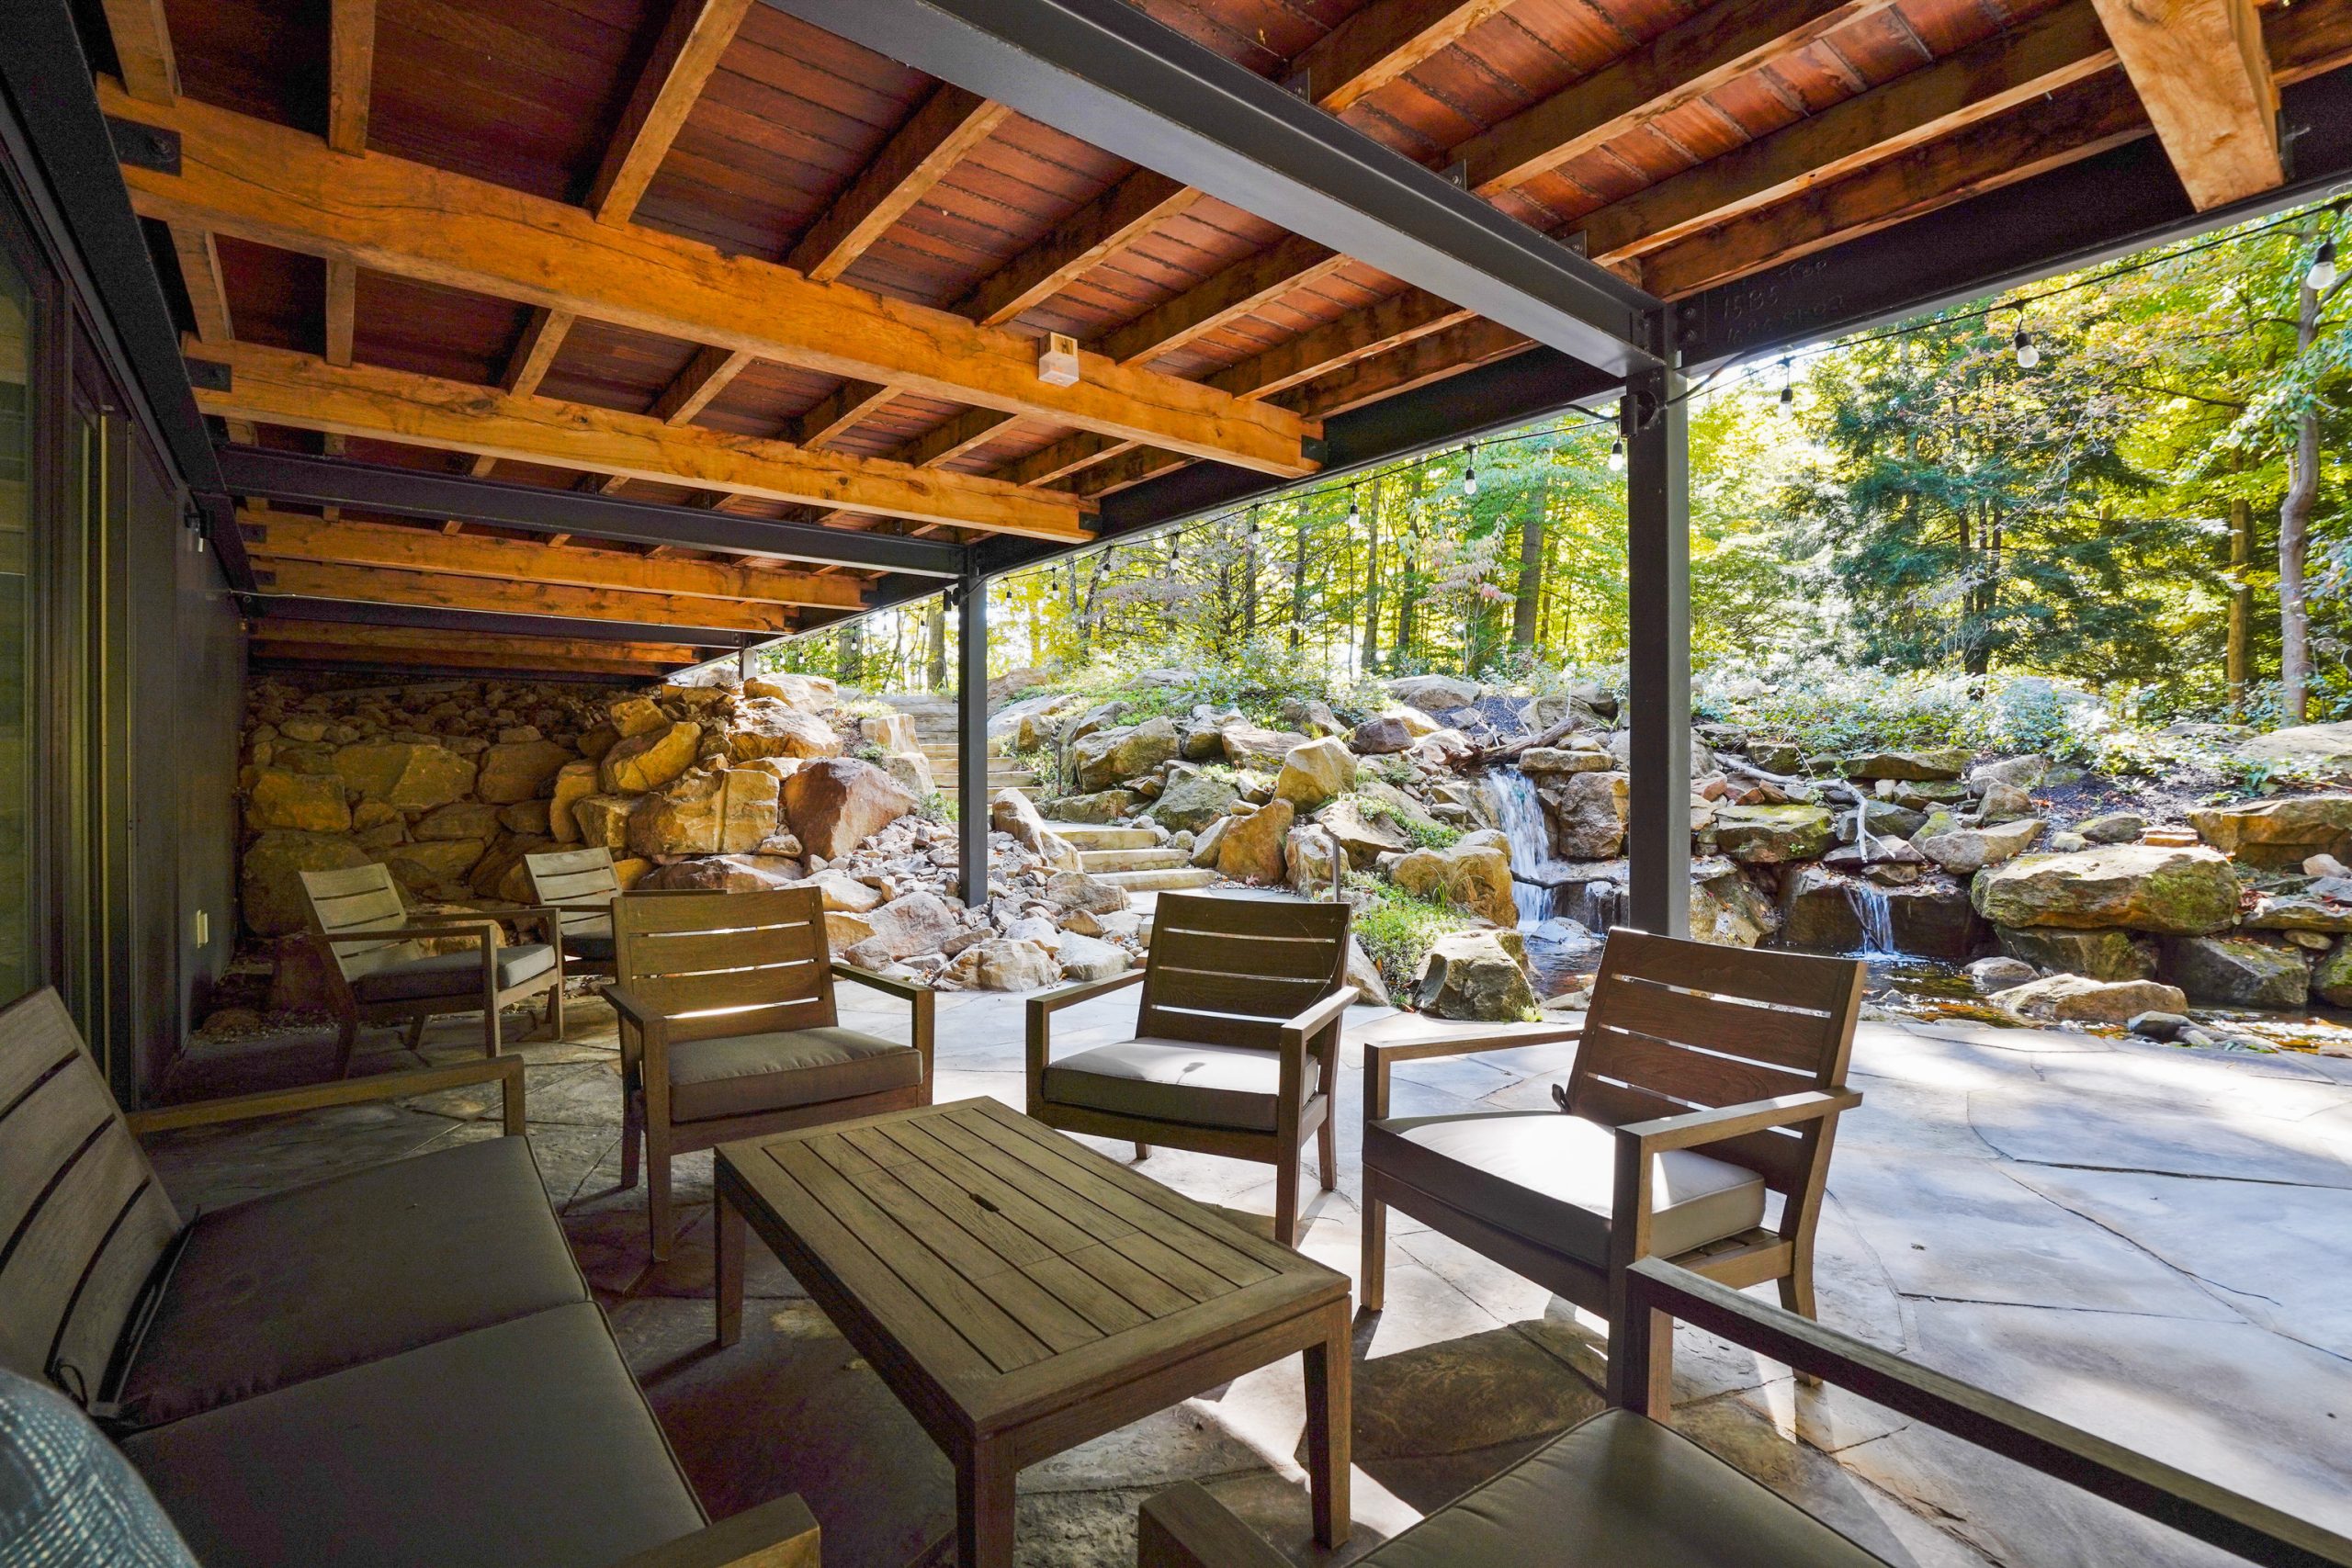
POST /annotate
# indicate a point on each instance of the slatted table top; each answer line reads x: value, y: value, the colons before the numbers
x: 1018, y: 1271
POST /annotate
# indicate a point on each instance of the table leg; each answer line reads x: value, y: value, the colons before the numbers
x: 984, y: 1507
x: 1329, y: 1415
x: 728, y: 1288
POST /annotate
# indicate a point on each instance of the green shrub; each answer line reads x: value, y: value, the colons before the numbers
x: 1422, y: 834
x: 1256, y: 682
x: 1397, y: 929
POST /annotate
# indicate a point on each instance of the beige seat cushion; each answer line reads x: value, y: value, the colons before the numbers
x: 736, y: 1074
x: 1552, y: 1178
x: 305, y: 1282
x: 1176, y: 1081
x: 1620, y: 1491
x: 454, y: 974
x: 523, y: 1445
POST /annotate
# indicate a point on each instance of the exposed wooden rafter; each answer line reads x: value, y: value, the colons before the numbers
x: 688, y: 50
x: 350, y: 72
x: 322, y: 642
x: 933, y: 139
x: 440, y: 591
x: 276, y: 387
x: 2203, y: 74
x: 279, y: 188
x: 280, y: 535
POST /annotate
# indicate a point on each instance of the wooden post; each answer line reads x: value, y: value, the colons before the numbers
x: 972, y: 738
x: 1657, y: 602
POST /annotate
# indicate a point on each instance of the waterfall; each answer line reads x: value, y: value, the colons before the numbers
x: 1597, y: 904
x: 1875, y: 913
x: 1521, y: 814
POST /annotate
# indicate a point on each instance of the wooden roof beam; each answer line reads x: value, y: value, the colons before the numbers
x: 351, y: 75
x: 2204, y: 78
x: 438, y: 641
x: 285, y: 535
x: 933, y: 139
x: 685, y: 56
x: 279, y: 188
x: 438, y: 591
x: 839, y: 412
x: 276, y: 387
x: 1384, y: 41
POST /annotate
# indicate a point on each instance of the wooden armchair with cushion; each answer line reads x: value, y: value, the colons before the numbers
x: 379, y: 971
x: 728, y: 1029
x: 580, y: 886
x: 1235, y: 1045
x: 1707, y: 1079
x: 1624, y: 1490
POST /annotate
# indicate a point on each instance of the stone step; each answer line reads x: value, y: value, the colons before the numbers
x: 1155, y: 858
x: 1094, y: 836
x: 1166, y: 879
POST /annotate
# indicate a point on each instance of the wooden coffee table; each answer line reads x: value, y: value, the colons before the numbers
x: 1020, y: 1294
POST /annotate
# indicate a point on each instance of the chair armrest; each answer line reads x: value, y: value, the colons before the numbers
x: 1380, y: 1056
x: 1038, y: 1037
x: 1185, y: 1527
x: 1731, y: 1121
x: 779, y: 1533
x: 1061, y: 996
x: 905, y: 990
x: 475, y: 928
x: 636, y: 1011
x: 506, y: 1071
x: 2195, y: 1507
x: 1319, y: 1017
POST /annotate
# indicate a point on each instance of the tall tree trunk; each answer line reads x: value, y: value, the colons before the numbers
x: 2294, y: 543
x: 2236, y: 654
x: 849, y: 660
x: 1371, y: 661
x: 936, y: 670
x: 1249, y: 580
x: 1529, y: 600
x: 1298, y: 583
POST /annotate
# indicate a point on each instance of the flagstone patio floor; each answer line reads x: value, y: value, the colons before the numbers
x: 2155, y: 1243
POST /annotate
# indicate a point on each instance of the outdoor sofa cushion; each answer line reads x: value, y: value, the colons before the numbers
x: 1620, y: 1491
x: 523, y: 1445
x: 452, y: 974
x: 298, y: 1284
x: 67, y: 1499
x: 1177, y: 1080
x: 735, y: 1075
x: 1552, y: 1178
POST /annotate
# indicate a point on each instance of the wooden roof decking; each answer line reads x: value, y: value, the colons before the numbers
x: 701, y: 252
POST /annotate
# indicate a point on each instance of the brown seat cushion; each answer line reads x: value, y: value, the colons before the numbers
x: 1620, y: 1491
x: 524, y: 1445
x: 1552, y: 1178
x: 452, y: 974
x: 735, y: 1074
x: 300, y: 1283
x: 1177, y: 1080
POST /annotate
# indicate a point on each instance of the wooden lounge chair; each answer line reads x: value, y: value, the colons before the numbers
x: 1623, y: 1490
x: 1708, y: 1077
x: 379, y: 972
x: 580, y: 885
x: 728, y: 1029
x: 1236, y: 1046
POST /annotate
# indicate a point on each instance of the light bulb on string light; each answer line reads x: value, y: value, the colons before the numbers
x: 1470, y: 470
x: 1355, y: 510
x: 2322, y: 274
x: 1788, y: 394
x: 2027, y: 354
x: 1617, y: 456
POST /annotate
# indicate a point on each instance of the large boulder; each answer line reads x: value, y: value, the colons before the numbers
x: 1537, y: 760
x: 1964, y: 850
x: 1089, y: 958
x: 912, y: 923
x: 269, y: 881
x: 1254, y: 746
x: 1822, y: 911
x: 1773, y: 835
x: 1434, y: 693
x: 1193, y: 800
x: 2112, y: 826
x: 1251, y: 848
x: 2332, y: 975
x: 707, y: 811
x: 1307, y: 859
x: 2100, y: 955
x: 1364, y: 835
x: 650, y: 759
x: 1728, y: 910
x: 890, y: 731
x: 724, y: 874
x: 1313, y: 773
x: 1015, y: 814
x: 912, y: 769
x: 839, y: 891
x: 1109, y: 757
x: 2139, y: 887
x: 632, y: 716
x: 411, y: 775
x: 1001, y: 965
x: 810, y: 694
x: 1479, y: 974
x: 1383, y: 735
x: 836, y: 804
x: 1074, y: 891
x: 1471, y: 876
x: 459, y: 820
x: 2238, y: 971
x: 439, y: 868
x: 575, y: 782
x: 1935, y: 763
x: 1588, y: 815
x: 766, y: 727
x: 2279, y: 834
x: 521, y: 770
x: 308, y: 802
x: 2077, y: 999
x: 2312, y: 910
x: 602, y: 820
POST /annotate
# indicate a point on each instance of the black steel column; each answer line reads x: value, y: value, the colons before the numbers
x: 972, y: 738
x: 1658, y: 611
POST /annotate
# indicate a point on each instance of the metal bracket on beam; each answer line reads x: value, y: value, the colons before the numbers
x: 149, y: 147
x: 209, y: 375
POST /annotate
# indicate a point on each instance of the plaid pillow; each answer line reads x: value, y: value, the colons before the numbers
x: 67, y: 1498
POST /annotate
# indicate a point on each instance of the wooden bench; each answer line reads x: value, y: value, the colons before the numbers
x: 1623, y: 1490
x: 402, y: 1365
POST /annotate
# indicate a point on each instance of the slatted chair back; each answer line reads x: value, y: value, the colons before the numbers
x: 731, y: 963
x: 83, y: 1220
x: 1231, y: 971
x: 582, y: 883
x: 1678, y: 1026
x: 359, y: 898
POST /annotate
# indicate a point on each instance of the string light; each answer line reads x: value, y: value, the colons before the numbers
x: 2028, y: 355
x: 1617, y: 456
x: 1470, y: 470
x: 2322, y: 274
x: 1355, y: 510
x: 1788, y: 395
